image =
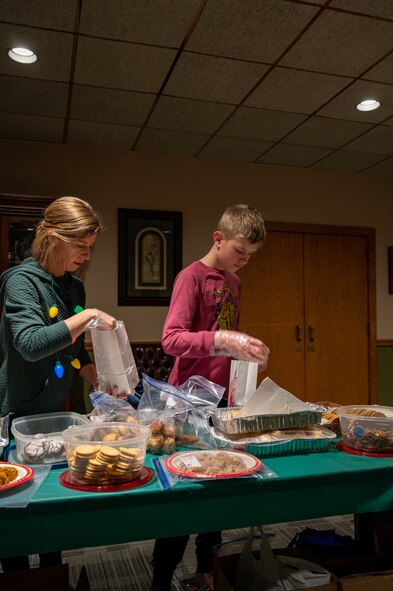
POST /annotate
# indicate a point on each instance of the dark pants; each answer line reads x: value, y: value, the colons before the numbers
x: 168, y: 553
x: 22, y: 562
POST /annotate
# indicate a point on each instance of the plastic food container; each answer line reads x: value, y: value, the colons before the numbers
x: 107, y: 454
x: 39, y: 438
x: 367, y: 428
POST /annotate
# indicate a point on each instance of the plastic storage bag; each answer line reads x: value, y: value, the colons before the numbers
x: 114, y: 360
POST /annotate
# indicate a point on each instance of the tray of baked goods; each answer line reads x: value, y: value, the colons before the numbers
x: 270, y: 407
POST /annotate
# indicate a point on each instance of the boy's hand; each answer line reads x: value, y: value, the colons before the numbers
x: 240, y: 346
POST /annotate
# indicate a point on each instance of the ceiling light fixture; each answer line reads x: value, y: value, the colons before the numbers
x: 368, y: 105
x: 22, y: 55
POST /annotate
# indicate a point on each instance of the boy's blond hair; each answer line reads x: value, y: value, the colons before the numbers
x: 242, y: 221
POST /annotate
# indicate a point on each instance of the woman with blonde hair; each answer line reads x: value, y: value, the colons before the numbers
x: 43, y: 321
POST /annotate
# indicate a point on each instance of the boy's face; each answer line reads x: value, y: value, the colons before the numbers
x: 233, y: 253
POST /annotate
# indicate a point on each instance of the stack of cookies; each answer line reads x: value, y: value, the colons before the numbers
x: 101, y: 465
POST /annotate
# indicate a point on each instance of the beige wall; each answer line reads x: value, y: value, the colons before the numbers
x: 201, y: 189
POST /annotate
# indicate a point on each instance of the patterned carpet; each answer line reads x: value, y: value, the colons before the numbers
x: 126, y: 567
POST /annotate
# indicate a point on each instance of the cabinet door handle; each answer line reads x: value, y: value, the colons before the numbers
x: 299, y: 331
x: 311, y: 333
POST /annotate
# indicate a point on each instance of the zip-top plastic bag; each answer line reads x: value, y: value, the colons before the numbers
x: 116, y: 368
x: 107, y: 409
x: 202, y: 392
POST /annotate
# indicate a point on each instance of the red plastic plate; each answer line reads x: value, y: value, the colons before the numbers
x: 69, y: 482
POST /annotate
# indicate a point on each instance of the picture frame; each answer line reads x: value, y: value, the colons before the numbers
x: 149, y: 255
x: 390, y: 269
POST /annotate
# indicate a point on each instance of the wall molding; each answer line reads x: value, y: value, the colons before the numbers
x: 385, y: 343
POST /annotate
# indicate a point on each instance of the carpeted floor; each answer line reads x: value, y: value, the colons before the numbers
x: 126, y: 567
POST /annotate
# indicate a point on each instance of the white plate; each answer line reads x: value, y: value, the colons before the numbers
x: 213, y: 463
x: 24, y: 474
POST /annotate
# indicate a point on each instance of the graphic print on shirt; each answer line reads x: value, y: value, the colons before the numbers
x: 226, y: 305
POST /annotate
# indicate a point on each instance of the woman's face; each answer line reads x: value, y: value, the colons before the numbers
x: 74, y: 254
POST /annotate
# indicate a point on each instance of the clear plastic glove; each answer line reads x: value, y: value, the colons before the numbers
x: 240, y: 346
x: 102, y: 320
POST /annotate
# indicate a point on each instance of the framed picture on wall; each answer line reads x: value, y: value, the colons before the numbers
x: 149, y: 255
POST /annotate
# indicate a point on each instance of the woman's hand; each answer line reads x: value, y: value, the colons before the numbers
x: 89, y: 318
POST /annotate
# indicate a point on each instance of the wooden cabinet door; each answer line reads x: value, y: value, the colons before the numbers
x: 336, y: 318
x: 272, y: 307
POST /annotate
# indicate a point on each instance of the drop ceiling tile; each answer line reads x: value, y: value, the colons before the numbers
x: 156, y: 22
x: 377, y: 141
x: 30, y: 127
x: 213, y: 79
x: 170, y: 142
x: 52, y: 48
x: 326, y: 133
x: 381, y: 8
x: 33, y: 97
x: 385, y: 167
x: 188, y: 115
x: 295, y: 90
x: 382, y: 72
x: 104, y: 105
x: 288, y: 155
x: 388, y: 121
x: 344, y: 105
x: 101, y: 134
x: 259, y: 124
x: 228, y: 148
x: 120, y: 65
x: 335, y: 44
x: 348, y: 161
x: 252, y: 30
x: 45, y: 13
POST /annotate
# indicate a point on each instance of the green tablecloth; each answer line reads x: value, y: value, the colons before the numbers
x: 307, y: 486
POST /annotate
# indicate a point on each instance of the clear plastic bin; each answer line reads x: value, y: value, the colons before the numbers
x: 367, y: 428
x: 39, y: 438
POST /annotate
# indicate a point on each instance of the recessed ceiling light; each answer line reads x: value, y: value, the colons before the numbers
x: 368, y: 105
x: 22, y: 55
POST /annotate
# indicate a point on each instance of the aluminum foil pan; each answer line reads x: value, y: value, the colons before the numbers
x: 279, y: 443
x: 225, y: 420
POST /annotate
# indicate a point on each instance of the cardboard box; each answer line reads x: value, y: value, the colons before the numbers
x: 382, y: 581
x: 225, y: 572
x: 44, y: 579
x: 355, y: 565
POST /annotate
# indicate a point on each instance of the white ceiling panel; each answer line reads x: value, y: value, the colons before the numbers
x: 289, y: 155
x: 267, y: 81
x: 326, y: 133
x: 125, y: 66
x: 188, y: 115
x: 54, y: 51
x: 341, y: 43
x: 170, y: 142
x: 260, y: 124
x: 381, y: 8
x: 348, y: 161
x: 101, y: 134
x: 51, y: 14
x: 228, y: 148
x: 155, y: 22
x: 33, y: 97
x: 377, y: 141
x: 105, y: 105
x: 29, y: 127
x: 213, y: 79
x: 251, y: 30
x: 295, y: 90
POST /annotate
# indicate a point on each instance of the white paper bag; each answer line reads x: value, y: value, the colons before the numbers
x: 114, y: 359
x: 242, y: 381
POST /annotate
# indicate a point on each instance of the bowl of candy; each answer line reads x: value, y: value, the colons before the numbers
x: 106, y: 454
x: 367, y: 428
x: 38, y: 438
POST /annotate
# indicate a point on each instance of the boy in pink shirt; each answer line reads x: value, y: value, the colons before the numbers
x: 201, y: 332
